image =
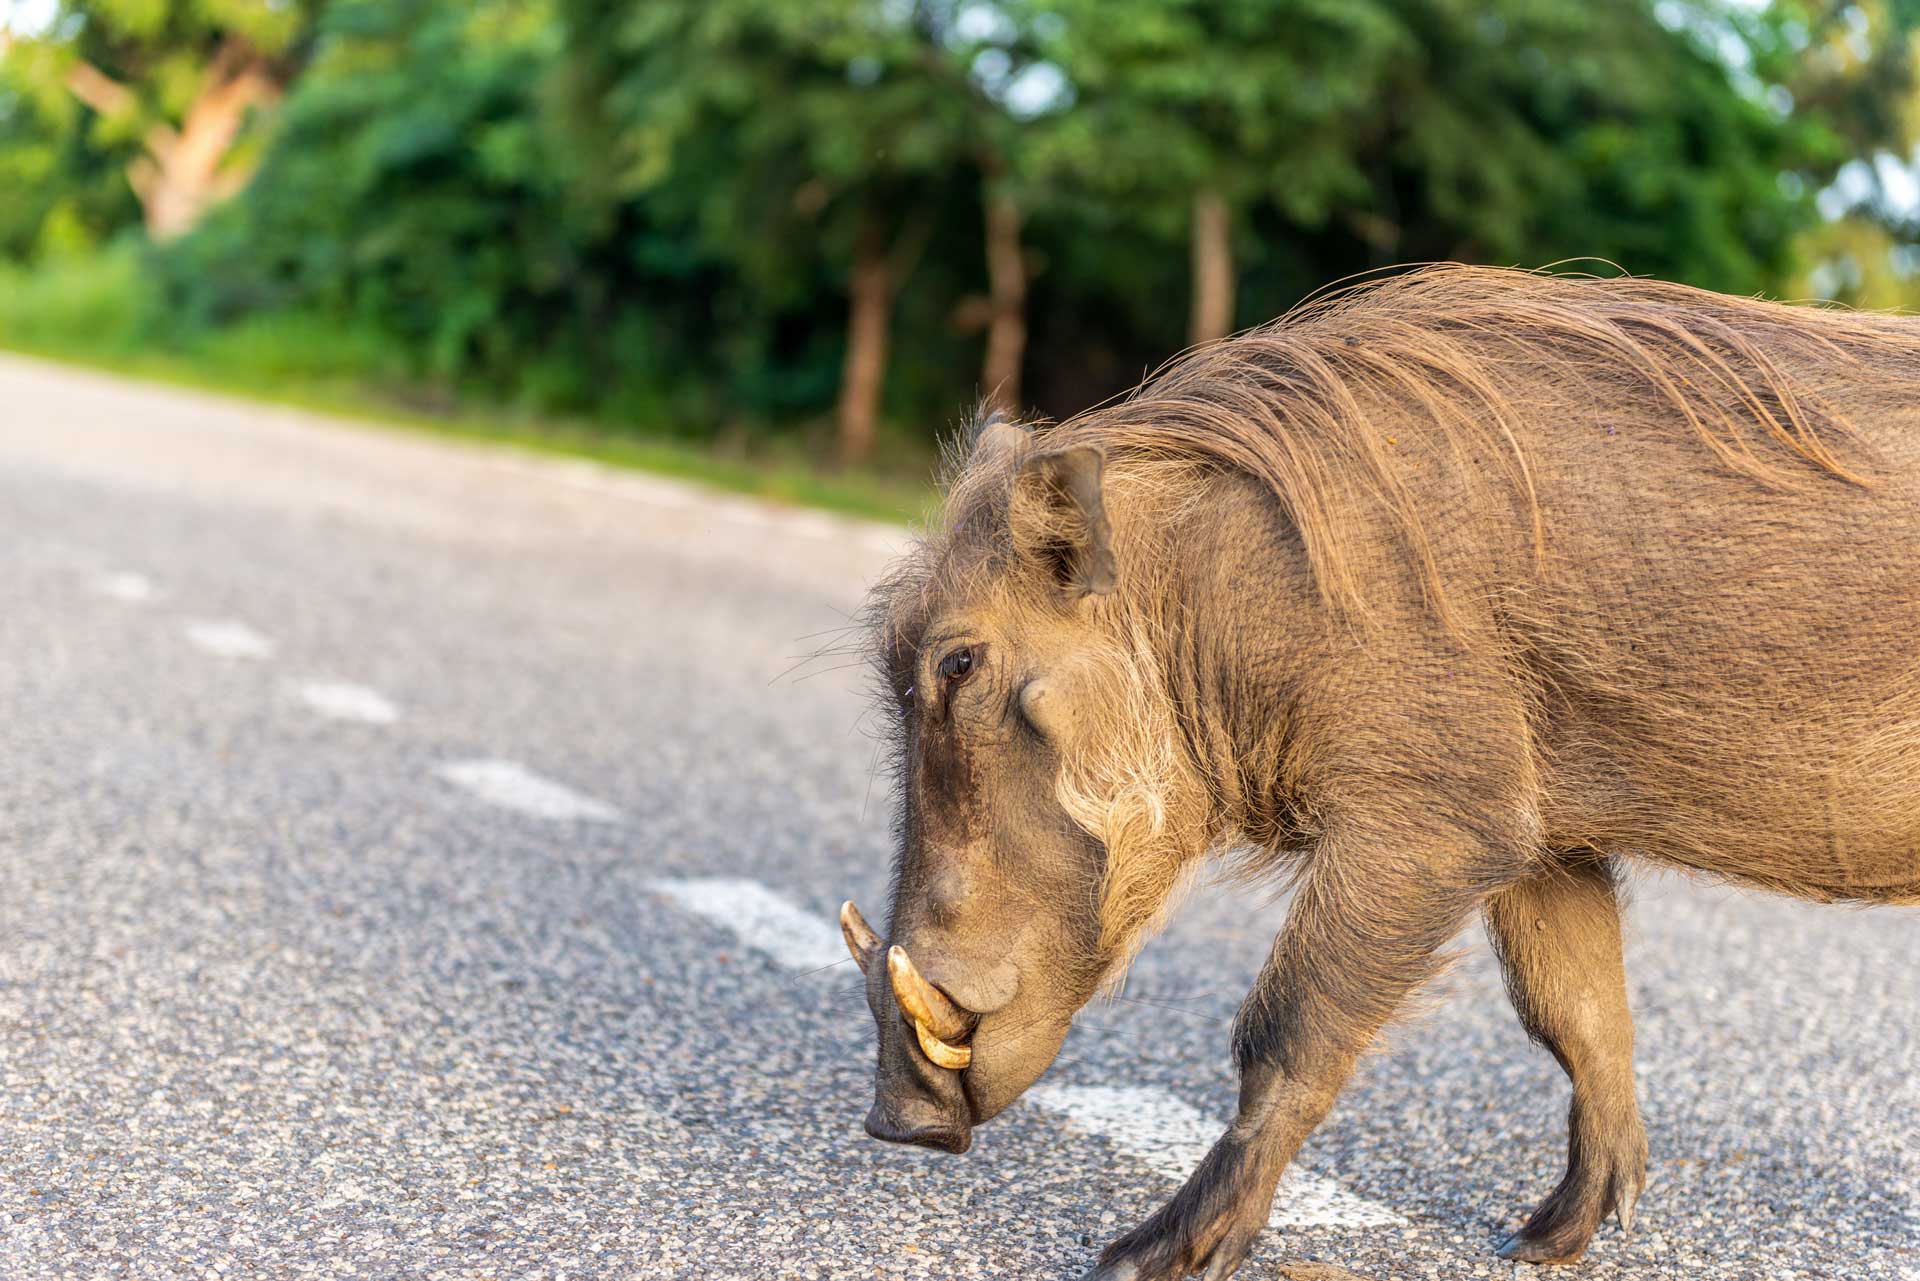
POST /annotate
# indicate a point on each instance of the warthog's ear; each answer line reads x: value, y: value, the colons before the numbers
x: 1066, y: 483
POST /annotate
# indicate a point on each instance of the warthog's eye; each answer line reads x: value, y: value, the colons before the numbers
x: 955, y: 666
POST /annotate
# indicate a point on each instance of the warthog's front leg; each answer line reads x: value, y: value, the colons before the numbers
x: 1363, y: 933
x: 1558, y: 935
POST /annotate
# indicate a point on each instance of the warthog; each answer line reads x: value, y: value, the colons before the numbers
x: 1447, y: 594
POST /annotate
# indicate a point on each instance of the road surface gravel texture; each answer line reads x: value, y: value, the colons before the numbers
x: 420, y: 859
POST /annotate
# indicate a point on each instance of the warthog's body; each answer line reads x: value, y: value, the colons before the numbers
x: 1445, y: 597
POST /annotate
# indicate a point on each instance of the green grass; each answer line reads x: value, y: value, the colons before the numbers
x: 96, y: 312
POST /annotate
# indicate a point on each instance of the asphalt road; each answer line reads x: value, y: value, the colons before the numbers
x: 415, y: 859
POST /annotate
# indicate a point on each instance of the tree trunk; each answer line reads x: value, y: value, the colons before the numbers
x: 1212, y: 316
x: 1007, y: 289
x: 180, y: 176
x: 869, y: 316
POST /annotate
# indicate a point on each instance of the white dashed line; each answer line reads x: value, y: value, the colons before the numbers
x: 1170, y: 1137
x: 759, y: 918
x: 133, y: 588
x: 349, y: 703
x: 513, y: 786
x: 1163, y: 1133
x: 230, y: 639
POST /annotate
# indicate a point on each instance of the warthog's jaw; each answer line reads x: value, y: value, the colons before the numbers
x: 1011, y: 1051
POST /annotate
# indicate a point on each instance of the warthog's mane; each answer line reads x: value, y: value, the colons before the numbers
x: 1329, y: 405
x: 1357, y: 409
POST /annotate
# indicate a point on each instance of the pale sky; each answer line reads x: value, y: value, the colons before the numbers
x: 27, y: 17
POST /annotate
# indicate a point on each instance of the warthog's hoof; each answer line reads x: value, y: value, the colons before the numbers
x: 1208, y: 1228
x: 1609, y: 1183
x: 1523, y: 1249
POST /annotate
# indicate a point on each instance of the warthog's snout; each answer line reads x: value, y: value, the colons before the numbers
x: 919, y: 1097
x: 927, y: 1123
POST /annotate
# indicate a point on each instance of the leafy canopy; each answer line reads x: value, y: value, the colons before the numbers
x: 648, y: 211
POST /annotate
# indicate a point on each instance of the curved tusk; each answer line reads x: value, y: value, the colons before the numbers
x: 861, y: 940
x: 924, y: 1003
x: 942, y: 1054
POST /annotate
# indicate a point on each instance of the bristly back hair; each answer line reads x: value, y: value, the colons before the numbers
x: 1329, y: 405
x: 1430, y: 417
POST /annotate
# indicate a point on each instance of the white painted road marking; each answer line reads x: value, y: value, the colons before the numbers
x: 127, y: 587
x: 760, y: 919
x: 1165, y: 1134
x: 513, y: 786
x: 229, y: 639
x: 349, y: 703
x: 1170, y: 1137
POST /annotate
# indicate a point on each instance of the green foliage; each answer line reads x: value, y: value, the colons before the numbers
x: 97, y: 305
x: 409, y: 195
x: 418, y: 188
x: 62, y: 195
x: 1565, y: 131
x: 405, y: 194
x: 760, y: 118
x: 1397, y: 130
x: 646, y: 212
x: 804, y: 129
x: 105, y: 87
x: 1266, y: 100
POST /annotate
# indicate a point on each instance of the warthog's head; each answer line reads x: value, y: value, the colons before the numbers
x: 1045, y: 811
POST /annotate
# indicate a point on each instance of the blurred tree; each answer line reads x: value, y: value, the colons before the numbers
x: 409, y: 193
x: 841, y: 128
x: 1645, y: 133
x: 1191, y: 111
x: 724, y: 214
x: 61, y: 196
x: 1859, y: 69
x: 169, y: 85
x: 1855, y: 64
x: 1387, y: 130
x: 1861, y: 262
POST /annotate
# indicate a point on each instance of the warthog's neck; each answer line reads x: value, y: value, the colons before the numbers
x: 1243, y: 608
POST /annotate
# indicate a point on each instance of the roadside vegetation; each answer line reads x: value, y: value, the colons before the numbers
x: 101, y: 312
x: 784, y: 247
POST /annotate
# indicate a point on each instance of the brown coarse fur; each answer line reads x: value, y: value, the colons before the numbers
x: 1545, y: 445
x: 1454, y: 592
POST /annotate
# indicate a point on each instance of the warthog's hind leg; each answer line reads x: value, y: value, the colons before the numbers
x: 1558, y: 936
